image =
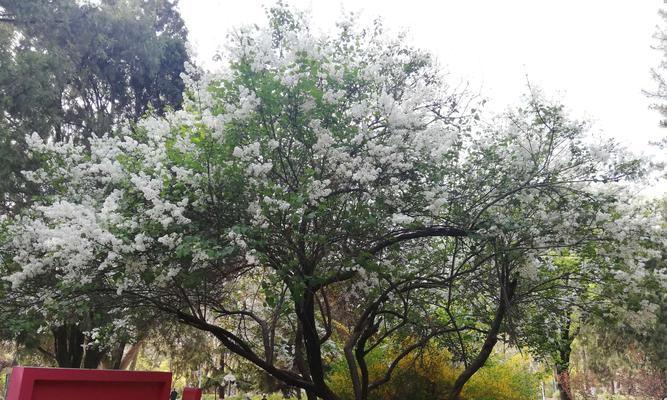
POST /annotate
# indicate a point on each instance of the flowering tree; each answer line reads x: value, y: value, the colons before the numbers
x: 72, y: 70
x: 550, y: 190
x: 321, y: 197
x: 85, y: 328
x: 613, y: 291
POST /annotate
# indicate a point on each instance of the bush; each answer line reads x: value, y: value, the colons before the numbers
x: 430, y: 374
x: 509, y: 379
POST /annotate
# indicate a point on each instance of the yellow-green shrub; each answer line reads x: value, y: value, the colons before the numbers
x: 509, y: 379
x: 429, y: 375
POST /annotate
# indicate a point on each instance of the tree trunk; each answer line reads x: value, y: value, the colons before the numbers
x: 491, y: 339
x: 68, y: 341
x: 299, y: 351
x: 117, y: 356
x: 587, y: 386
x: 133, y: 364
x: 131, y: 356
x: 563, y: 366
x: 311, y: 341
x: 563, y: 382
x: 221, y: 372
x: 310, y: 395
x: 92, y: 358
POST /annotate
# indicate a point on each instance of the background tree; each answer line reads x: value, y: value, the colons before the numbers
x: 574, y: 297
x: 623, y: 343
x: 543, y: 166
x: 72, y: 71
x: 659, y: 94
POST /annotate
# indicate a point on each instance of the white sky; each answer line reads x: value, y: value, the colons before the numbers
x: 594, y: 55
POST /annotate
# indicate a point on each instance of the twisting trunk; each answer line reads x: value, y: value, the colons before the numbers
x: 299, y: 360
x: 133, y: 363
x: 585, y: 367
x: 491, y: 339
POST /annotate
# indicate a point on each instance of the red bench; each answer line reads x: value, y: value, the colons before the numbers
x: 191, y: 394
x: 87, y: 384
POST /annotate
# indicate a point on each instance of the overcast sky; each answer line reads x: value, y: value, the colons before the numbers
x: 594, y: 55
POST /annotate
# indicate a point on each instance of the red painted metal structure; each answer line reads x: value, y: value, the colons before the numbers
x: 191, y: 394
x: 27, y: 383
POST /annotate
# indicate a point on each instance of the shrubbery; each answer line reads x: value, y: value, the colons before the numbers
x: 501, y: 379
x: 430, y: 374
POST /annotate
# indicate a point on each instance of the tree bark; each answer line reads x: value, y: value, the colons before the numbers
x: 68, y: 343
x: 310, y: 395
x: 221, y: 372
x: 311, y: 341
x: 491, y: 339
x: 563, y: 382
x: 117, y: 356
x: 585, y: 370
x: 563, y: 366
x: 92, y: 358
x: 133, y: 364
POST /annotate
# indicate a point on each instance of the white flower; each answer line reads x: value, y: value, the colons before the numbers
x: 401, y: 219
